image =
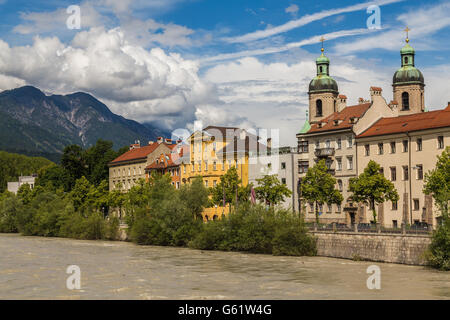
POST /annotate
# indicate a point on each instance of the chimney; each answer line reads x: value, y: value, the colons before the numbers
x: 150, y: 143
x: 361, y: 100
x: 179, y: 141
x: 169, y: 141
x: 160, y: 139
x: 375, y: 92
x: 341, y: 103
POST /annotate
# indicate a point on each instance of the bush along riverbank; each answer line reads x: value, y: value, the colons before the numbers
x: 156, y: 214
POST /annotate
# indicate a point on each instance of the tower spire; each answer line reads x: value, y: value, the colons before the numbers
x: 322, y: 39
x: 407, y: 30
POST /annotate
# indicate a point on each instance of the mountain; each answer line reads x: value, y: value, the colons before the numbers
x: 33, y: 123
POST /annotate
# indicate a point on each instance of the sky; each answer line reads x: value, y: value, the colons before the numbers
x: 243, y: 63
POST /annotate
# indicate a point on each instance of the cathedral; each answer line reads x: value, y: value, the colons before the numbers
x: 402, y: 136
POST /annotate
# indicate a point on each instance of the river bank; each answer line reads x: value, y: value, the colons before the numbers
x: 35, y: 268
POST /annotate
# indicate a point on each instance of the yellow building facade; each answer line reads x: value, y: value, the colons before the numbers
x: 212, y: 152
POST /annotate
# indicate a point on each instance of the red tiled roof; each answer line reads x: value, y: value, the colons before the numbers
x: 139, y: 153
x: 342, y: 96
x: 342, y: 117
x: 409, y: 123
x: 376, y: 88
x: 165, y: 163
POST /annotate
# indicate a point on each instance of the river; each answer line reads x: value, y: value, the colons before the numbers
x: 35, y: 268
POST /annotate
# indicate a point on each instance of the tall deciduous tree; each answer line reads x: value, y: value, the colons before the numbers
x: 319, y: 187
x: 437, y: 182
x: 271, y: 190
x: 372, y: 188
x: 228, y: 187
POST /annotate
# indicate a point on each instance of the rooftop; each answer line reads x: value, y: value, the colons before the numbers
x: 409, y: 123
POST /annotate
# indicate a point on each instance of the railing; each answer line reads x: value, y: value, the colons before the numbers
x: 324, y: 152
x: 370, y: 228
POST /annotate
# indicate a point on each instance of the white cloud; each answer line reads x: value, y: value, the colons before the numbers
x: 286, y: 47
x: 140, y: 84
x: 423, y: 23
x: 44, y: 22
x: 292, y: 9
x: 303, y: 21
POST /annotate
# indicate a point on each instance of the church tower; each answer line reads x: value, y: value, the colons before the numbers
x: 408, y: 83
x: 323, y: 91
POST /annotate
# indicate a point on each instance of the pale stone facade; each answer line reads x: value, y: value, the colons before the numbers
x: 405, y: 158
x: 416, y: 97
x: 328, y: 105
x: 129, y: 171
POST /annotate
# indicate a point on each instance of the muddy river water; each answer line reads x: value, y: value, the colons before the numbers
x: 35, y: 268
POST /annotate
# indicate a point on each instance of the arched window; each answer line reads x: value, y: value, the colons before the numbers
x: 320, y: 69
x: 406, y: 60
x: 405, y: 101
x: 318, y: 108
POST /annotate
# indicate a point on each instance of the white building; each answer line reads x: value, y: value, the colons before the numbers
x: 15, y: 186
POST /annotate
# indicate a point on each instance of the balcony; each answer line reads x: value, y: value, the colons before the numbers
x: 324, y: 152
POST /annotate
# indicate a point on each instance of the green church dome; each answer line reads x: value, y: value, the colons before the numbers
x: 323, y: 82
x: 408, y: 73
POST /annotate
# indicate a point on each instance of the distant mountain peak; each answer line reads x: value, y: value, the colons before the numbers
x: 31, y: 121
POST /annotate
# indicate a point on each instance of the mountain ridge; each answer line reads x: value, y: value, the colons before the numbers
x: 32, y: 122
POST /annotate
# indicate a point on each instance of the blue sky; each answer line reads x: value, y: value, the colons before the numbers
x: 247, y: 63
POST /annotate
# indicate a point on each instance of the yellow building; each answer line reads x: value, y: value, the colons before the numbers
x: 212, y: 152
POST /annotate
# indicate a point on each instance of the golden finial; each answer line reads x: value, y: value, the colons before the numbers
x: 322, y: 39
x: 407, y: 30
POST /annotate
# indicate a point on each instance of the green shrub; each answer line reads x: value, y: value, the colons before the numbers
x: 9, y: 207
x: 438, y: 254
x: 256, y: 229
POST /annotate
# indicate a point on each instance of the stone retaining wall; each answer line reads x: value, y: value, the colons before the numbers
x: 394, y: 248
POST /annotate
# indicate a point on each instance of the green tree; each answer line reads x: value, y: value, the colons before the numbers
x: 195, y: 196
x: 318, y: 187
x: 437, y: 182
x: 73, y: 162
x: 81, y: 195
x: 55, y: 175
x: 229, y: 186
x: 372, y: 188
x: 271, y: 190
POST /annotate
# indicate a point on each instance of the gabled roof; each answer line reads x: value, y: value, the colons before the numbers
x: 139, y: 153
x: 164, y: 161
x: 409, y: 123
x: 340, y: 120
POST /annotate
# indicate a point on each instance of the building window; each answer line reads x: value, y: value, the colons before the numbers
x: 283, y: 180
x: 184, y: 169
x: 394, y: 205
x: 303, y: 147
x: 419, y: 172
x: 200, y: 167
x: 215, y: 165
x: 382, y: 171
x: 405, y: 173
x: 283, y: 165
x: 339, y: 143
x: 349, y: 141
x: 393, y: 147
x: 340, y: 185
x: 441, y: 142
x: 394, y: 224
x: 206, y: 183
x: 338, y: 164
x: 338, y: 208
x: 393, y: 173
x: 405, y: 101
x: 416, y: 204
x: 380, y: 148
x: 214, y: 146
x: 419, y: 144
x: 317, y: 144
x: 367, y: 149
x: 206, y: 165
x: 328, y: 144
x: 350, y: 163
x: 303, y: 166
x: 318, y: 108
x: 405, y: 145
x: 214, y: 183
x: 328, y: 208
